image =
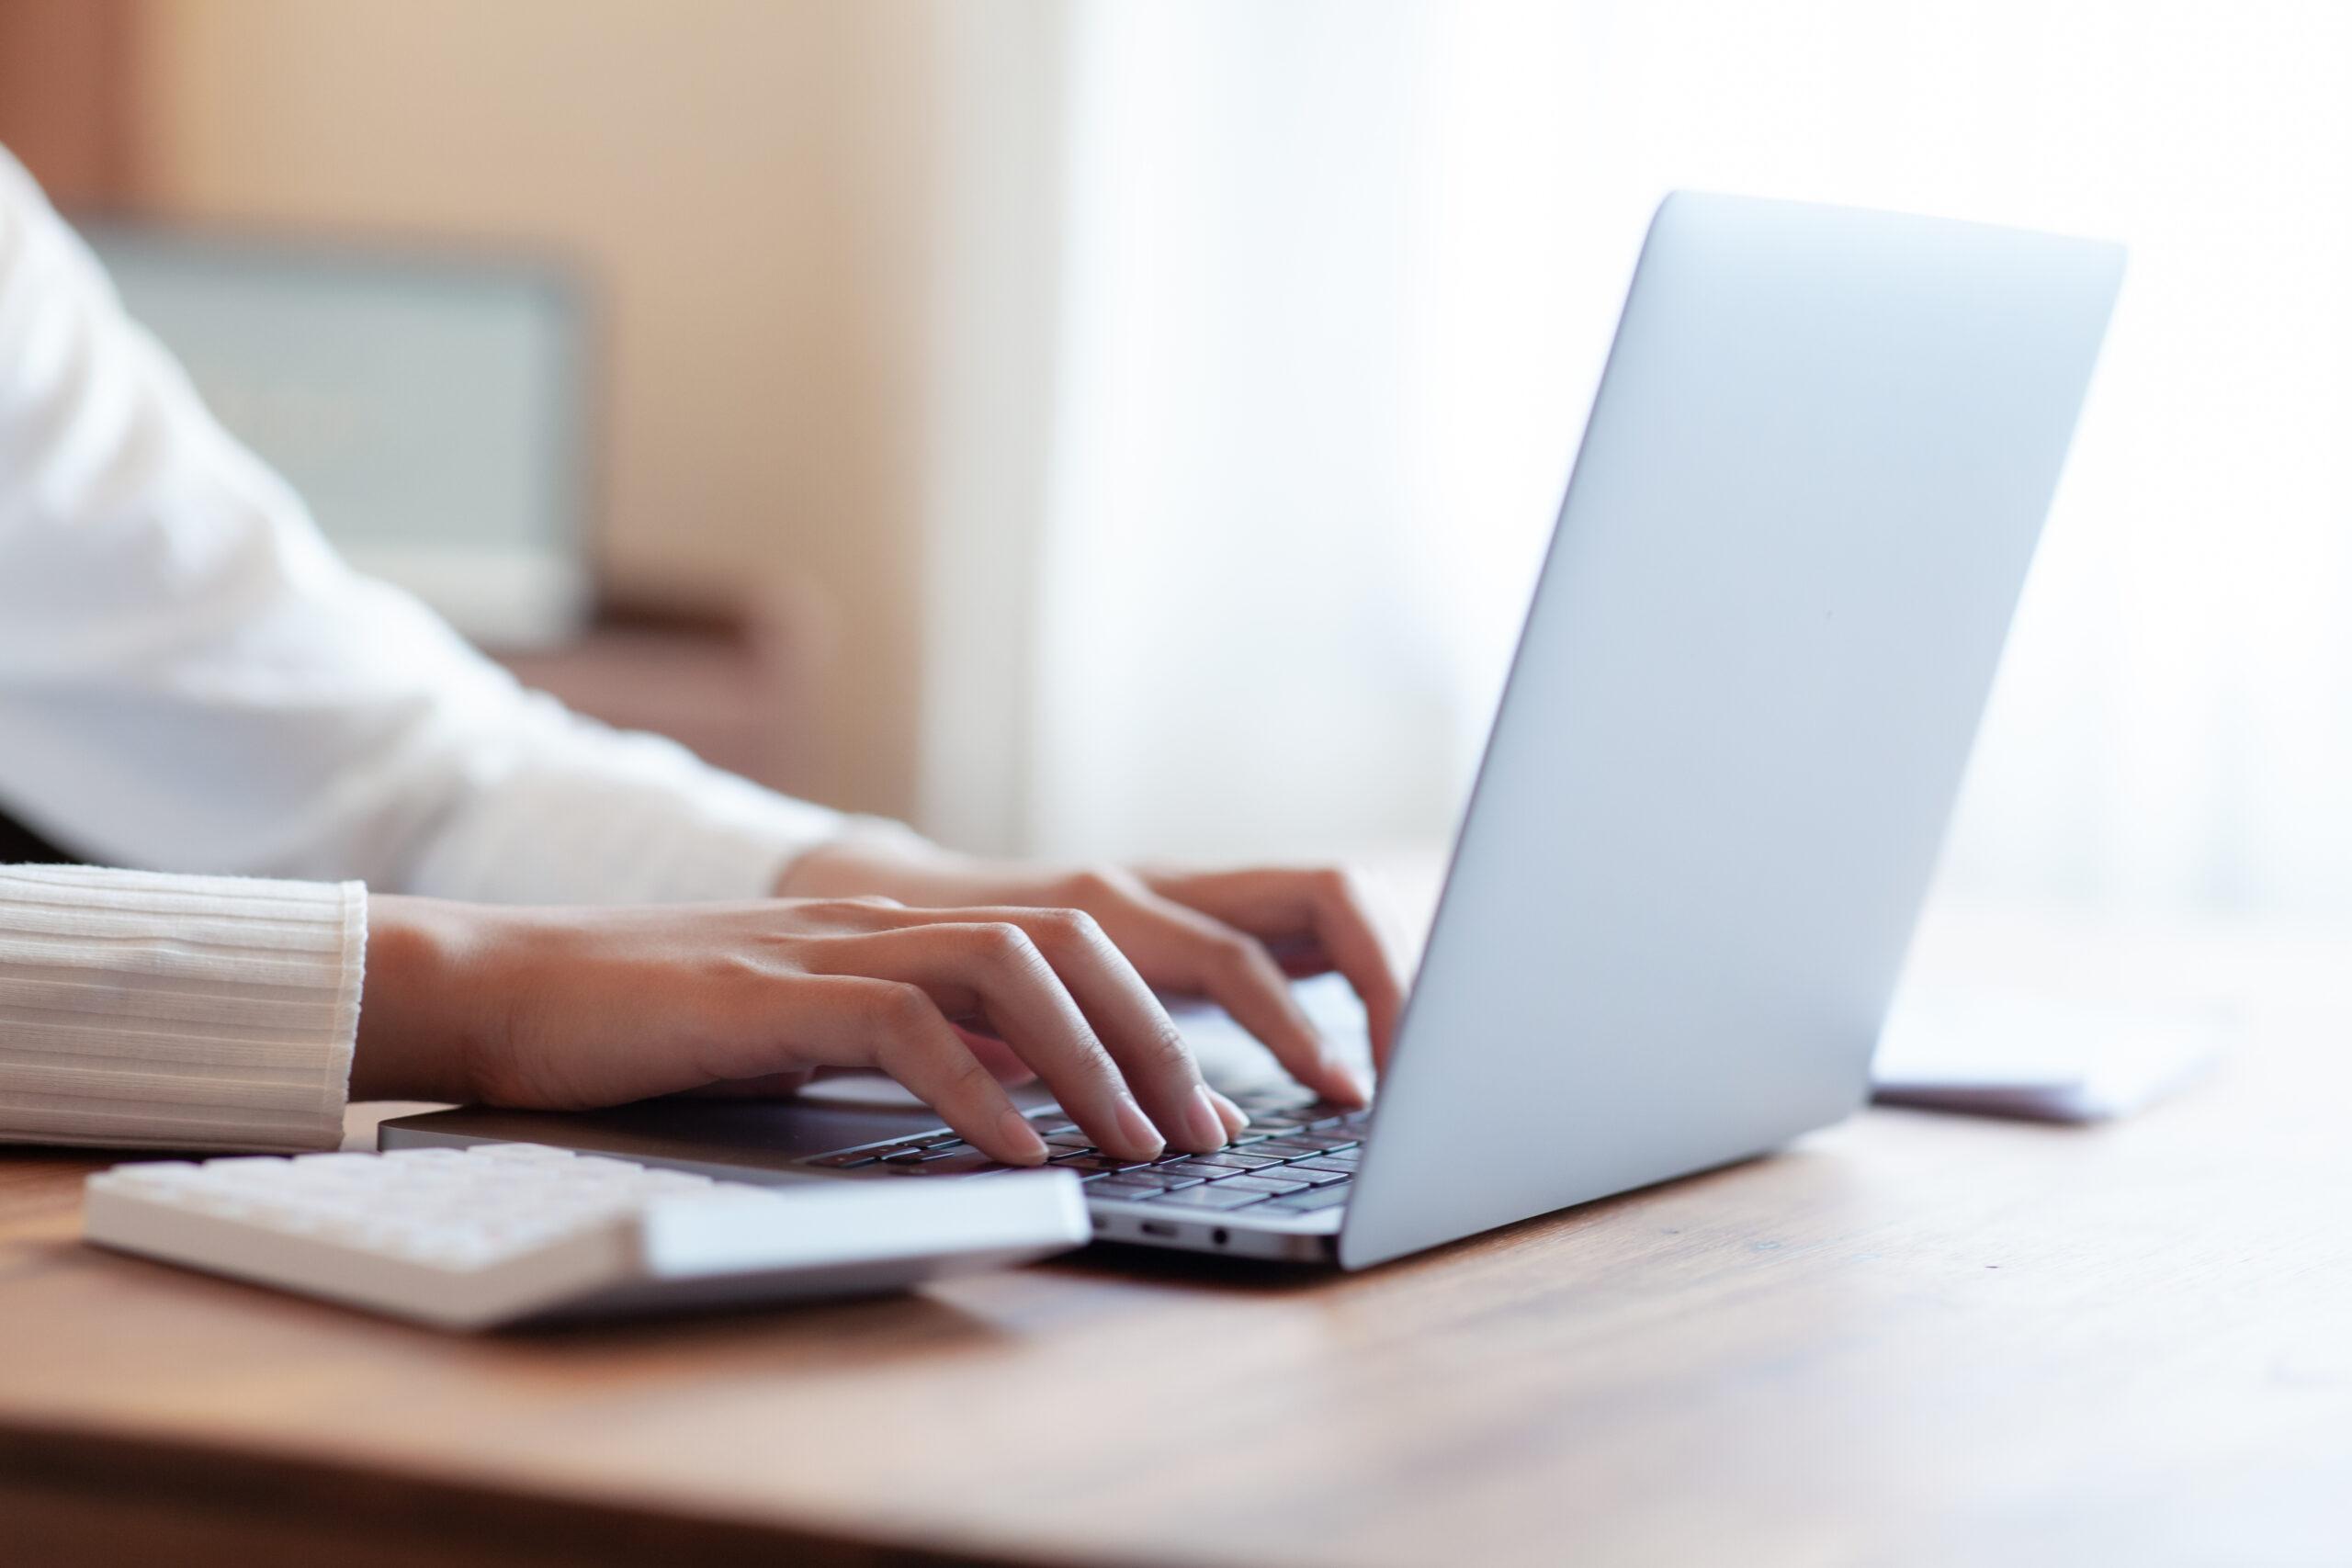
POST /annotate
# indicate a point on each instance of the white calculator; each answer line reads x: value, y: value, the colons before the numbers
x: 510, y: 1233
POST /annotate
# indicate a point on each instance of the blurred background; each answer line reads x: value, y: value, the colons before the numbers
x: 1114, y: 429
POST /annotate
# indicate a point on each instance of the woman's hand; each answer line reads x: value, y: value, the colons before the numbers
x: 1232, y: 936
x: 577, y: 1007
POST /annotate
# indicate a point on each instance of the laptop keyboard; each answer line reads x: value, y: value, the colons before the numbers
x: 1295, y: 1156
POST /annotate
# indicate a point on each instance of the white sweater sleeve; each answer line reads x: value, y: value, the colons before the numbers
x: 181, y: 1013
x: 190, y: 679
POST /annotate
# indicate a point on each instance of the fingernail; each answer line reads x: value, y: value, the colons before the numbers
x: 1204, y: 1125
x: 1358, y: 1085
x: 1233, y: 1116
x: 1136, y: 1128
x: 1021, y: 1144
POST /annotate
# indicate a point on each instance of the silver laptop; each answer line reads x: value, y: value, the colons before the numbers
x: 1808, y: 492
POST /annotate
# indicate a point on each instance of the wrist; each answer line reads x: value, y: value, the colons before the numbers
x: 417, y: 1029
x: 885, y: 860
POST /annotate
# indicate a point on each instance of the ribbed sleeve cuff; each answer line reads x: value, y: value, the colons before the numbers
x: 146, y: 1011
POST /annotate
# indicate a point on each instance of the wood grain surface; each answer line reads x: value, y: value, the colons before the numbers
x: 1911, y: 1339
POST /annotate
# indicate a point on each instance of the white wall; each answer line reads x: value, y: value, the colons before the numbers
x: 1239, y: 654
x: 1339, y: 279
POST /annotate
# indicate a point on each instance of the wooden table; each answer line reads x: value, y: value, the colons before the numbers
x: 1911, y: 1339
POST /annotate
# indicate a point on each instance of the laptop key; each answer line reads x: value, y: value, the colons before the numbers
x: 1331, y: 1143
x: 851, y: 1159
x: 1308, y: 1203
x: 1206, y: 1171
x: 1304, y: 1167
x: 1233, y: 1161
x: 1219, y: 1196
x: 1315, y: 1176
x: 1287, y: 1148
x: 1096, y: 1162
x: 1156, y: 1178
x: 1346, y: 1162
x: 1123, y: 1190
x: 1266, y: 1184
x: 964, y: 1162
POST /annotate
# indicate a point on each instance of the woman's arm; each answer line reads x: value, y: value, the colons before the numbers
x: 150, y: 1010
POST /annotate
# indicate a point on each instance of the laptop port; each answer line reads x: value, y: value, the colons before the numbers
x: 1156, y: 1227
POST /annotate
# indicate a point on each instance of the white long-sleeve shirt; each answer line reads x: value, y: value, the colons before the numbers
x: 192, y: 682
